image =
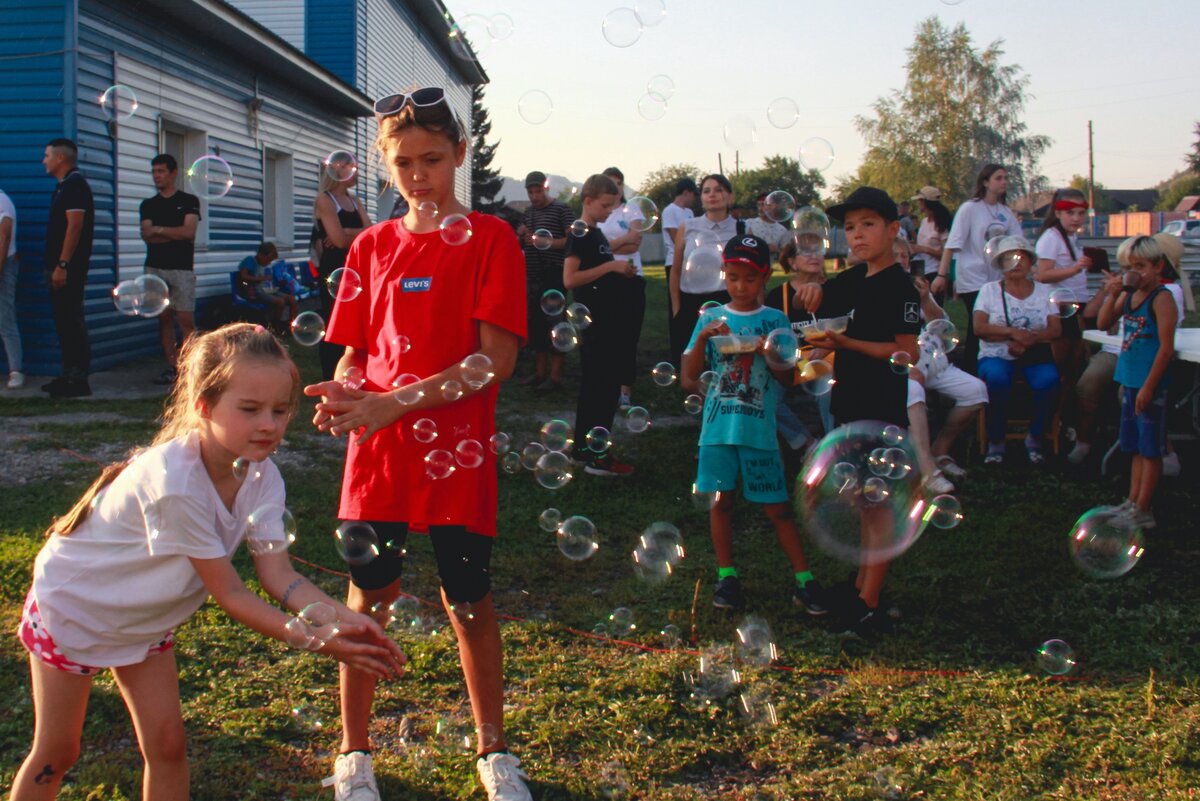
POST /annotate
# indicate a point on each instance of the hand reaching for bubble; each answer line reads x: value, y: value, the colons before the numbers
x: 342, y: 410
x: 361, y: 644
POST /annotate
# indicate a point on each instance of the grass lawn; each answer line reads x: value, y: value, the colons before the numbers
x: 950, y: 705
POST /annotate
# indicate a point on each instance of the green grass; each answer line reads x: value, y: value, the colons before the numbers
x: 949, y: 706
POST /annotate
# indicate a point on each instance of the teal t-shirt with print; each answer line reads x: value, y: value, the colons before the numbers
x: 740, y: 407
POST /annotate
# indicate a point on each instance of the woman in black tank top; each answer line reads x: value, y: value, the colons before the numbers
x: 338, y: 218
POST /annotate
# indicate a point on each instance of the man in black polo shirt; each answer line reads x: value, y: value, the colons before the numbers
x: 169, y: 221
x: 68, y: 249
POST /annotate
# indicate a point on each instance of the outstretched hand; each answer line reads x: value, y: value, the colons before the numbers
x: 342, y: 410
x: 362, y: 644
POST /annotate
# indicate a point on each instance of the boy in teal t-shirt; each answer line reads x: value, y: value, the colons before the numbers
x: 738, y: 436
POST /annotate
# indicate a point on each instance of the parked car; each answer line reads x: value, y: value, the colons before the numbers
x: 1187, y: 229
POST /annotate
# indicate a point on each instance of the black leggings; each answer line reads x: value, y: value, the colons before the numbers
x: 464, y: 560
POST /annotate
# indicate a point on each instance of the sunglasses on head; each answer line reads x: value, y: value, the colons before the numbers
x: 421, y: 98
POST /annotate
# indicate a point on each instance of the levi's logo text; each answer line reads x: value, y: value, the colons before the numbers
x: 416, y: 284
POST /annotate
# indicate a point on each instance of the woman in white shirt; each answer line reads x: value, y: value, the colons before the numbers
x: 980, y: 219
x: 1015, y: 324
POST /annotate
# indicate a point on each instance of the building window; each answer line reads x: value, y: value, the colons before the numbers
x: 279, y: 207
x: 186, y: 145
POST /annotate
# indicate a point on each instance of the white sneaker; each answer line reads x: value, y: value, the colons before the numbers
x: 503, y: 778
x: 1079, y: 453
x: 353, y: 779
x: 951, y: 468
x: 16, y: 380
x: 937, y: 483
x: 1171, y: 465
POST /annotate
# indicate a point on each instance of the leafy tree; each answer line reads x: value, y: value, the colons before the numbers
x: 659, y: 185
x: 1193, y: 158
x: 777, y: 172
x: 1176, y: 189
x: 1103, y: 201
x: 570, y: 195
x: 959, y: 109
x: 485, y: 181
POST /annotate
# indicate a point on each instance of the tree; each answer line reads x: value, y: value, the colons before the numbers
x: 1102, y: 201
x: 1176, y: 189
x: 1193, y: 158
x: 777, y: 172
x: 485, y: 181
x: 959, y: 109
x: 659, y: 185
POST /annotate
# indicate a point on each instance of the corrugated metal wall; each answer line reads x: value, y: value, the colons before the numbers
x: 284, y: 17
x: 329, y: 27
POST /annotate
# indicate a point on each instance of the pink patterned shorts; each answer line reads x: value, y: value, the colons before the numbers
x: 37, y: 641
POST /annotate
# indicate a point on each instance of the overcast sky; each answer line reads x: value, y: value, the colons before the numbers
x: 1127, y: 67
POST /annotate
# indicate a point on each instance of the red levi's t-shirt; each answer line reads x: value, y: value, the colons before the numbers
x: 434, y: 294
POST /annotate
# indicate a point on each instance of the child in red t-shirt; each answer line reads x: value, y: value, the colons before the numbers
x: 442, y: 287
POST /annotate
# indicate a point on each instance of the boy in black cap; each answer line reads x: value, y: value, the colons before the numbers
x: 737, y: 435
x: 886, y: 320
x: 543, y: 272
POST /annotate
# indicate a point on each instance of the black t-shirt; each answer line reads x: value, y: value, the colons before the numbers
x: 884, y: 305
x: 169, y: 212
x: 795, y: 315
x: 71, y: 194
x: 592, y: 249
x: 556, y: 217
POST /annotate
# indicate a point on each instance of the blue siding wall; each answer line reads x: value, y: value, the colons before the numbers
x: 329, y: 36
x: 31, y: 96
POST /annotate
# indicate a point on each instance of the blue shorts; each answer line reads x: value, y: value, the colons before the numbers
x: 761, y: 472
x: 1144, y: 434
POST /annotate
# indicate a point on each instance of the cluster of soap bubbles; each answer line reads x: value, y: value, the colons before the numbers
x: 210, y: 177
x: 144, y: 296
x: 565, y: 334
x: 314, y: 626
x: 652, y: 106
x: 472, y: 36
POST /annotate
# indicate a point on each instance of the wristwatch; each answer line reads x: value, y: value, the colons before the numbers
x: 62, y: 263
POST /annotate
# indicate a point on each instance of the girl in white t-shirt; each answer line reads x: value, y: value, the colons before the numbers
x: 147, y: 544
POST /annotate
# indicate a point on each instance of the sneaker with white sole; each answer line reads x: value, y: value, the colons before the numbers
x: 503, y: 778
x: 938, y: 483
x: 951, y: 468
x: 16, y: 379
x: 353, y: 778
x: 1171, y: 465
x: 1139, y: 519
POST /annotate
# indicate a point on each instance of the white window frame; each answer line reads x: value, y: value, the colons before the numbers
x: 195, y: 145
x: 279, y: 199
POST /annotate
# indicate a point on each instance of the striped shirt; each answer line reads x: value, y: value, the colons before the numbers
x: 555, y: 217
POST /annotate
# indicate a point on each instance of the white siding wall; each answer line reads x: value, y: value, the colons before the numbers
x: 396, y: 54
x: 284, y: 18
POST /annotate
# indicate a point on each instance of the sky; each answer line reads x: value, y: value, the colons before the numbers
x: 1126, y: 67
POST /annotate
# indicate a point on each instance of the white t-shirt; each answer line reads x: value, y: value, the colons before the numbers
x: 618, y: 224
x: 968, y: 235
x: 672, y: 217
x: 769, y: 231
x: 929, y: 236
x: 116, y: 585
x: 701, y: 231
x: 1052, y: 246
x: 9, y: 212
x: 1029, y: 313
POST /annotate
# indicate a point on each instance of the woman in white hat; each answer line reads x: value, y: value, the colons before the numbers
x: 1015, y: 323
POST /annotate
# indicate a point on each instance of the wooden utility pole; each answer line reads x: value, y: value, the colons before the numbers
x: 720, y: 164
x: 1091, y: 185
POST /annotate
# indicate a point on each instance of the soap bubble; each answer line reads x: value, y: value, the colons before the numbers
x: 644, y: 208
x: 781, y: 349
x: 405, y: 615
x: 439, y: 464
x: 757, y: 707
x: 144, y: 296
x: 622, y: 27
x: 816, y: 154
x: 531, y: 453
x: 598, y: 439
x: 939, y: 337
x: 779, y: 206
x: 340, y: 165
x: 408, y: 388
x: 535, y: 106
x: 614, y: 782
x: 579, y: 316
x: 501, y: 26
x: 424, y: 430
x: 944, y: 512
x: 499, y: 443
x: 344, y: 284
x: 816, y: 377
x: 811, y: 220
x: 658, y: 552
x: 715, y: 676
x: 661, y: 85
x: 901, y: 362
x: 703, y: 500
x: 463, y: 611
x: 456, y: 229
x: 511, y: 463
x: 554, y: 470
x: 308, y: 328
x: 663, y: 374
x: 553, y: 303
x: 550, y: 519
x: 577, y: 538
x: 1063, y: 302
x: 707, y: 380
x: 672, y: 637
x: 693, y: 404
x: 270, y: 528
x: 469, y: 453
x: 783, y: 113
x: 477, y: 370
x: 637, y: 419
x: 427, y: 210
x: 356, y: 541
x: 469, y: 37
x: 118, y: 103
x: 651, y: 12
x: 652, y: 106
x: 1106, y: 543
x: 740, y: 131
x: 849, y: 475
x: 555, y: 435
x: 1056, y: 657
x: 579, y: 228
x: 241, y: 468
x: 755, y: 642
x: 312, y: 627
x: 541, y: 239
x: 704, y: 262
x: 210, y: 177
x: 621, y: 622
x: 308, y: 717
x: 401, y: 343
x: 353, y: 378
x: 451, y: 390
x: 564, y: 337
